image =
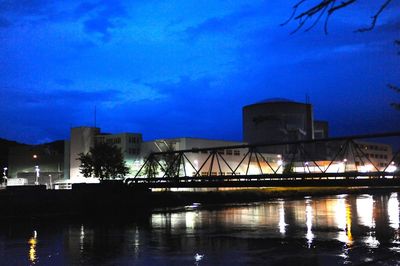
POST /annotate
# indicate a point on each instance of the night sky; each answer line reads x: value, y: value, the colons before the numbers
x: 186, y: 68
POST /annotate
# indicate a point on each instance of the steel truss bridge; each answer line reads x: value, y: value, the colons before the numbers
x: 362, y: 160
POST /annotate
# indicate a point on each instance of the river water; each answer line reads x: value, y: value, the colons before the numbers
x: 344, y: 229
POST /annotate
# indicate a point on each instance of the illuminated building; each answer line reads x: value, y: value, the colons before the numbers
x: 270, y: 121
x: 84, y: 138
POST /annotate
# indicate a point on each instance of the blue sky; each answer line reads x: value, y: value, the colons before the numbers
x: 186, y: 68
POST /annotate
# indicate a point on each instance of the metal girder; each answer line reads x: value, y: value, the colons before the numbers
x: 345, y: 150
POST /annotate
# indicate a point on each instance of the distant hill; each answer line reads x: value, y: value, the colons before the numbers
x: 4, y: 146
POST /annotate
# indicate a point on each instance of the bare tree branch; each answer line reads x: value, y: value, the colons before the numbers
x: 327, y: 8
x: 375, y: 17
x: 394, y: 87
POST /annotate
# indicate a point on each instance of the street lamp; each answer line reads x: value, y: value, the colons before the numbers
x: 37, y: 170
x: 5, y: 175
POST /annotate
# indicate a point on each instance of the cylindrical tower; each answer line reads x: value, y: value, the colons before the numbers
x: 277, y: 120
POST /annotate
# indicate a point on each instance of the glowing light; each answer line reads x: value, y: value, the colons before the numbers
x: 391, y: 168
x: 280, y: 162
x: 365, y: 204
x: 309, y: 217
x: 136, y: 242
x: 32, y: 248
x: 393, y: 211
x: 371, y: 241
x: 282, y: 225
x: 366, y: 168
x: 190, y: 218
x: 343, y: 220
x: 198, y: 257
x: 82, y: 238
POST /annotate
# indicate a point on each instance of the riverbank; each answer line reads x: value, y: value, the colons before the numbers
x: 118, y: 199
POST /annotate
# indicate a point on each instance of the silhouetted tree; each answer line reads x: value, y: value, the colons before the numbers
x: 394, y: 87
x: 104, y: 161
x: 170, y: 161
x: 324, y: 9
x: 151, y: 167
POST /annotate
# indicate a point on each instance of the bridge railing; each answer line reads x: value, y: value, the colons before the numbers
x: 373, y: 155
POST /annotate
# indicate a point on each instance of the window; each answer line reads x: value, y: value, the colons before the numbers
x: 213, y: 173
x: 236, y: 152
x: 228, y: 152
x: 221, y: 173
x: 221, y: 152
x: 204, y: 173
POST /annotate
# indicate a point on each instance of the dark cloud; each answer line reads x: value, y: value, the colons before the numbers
x: 98, y: 17
x: 28, y: 96
x: 37, y: 114
x: 25, y: 7
x: 103, y: 17
x: 224, y: 24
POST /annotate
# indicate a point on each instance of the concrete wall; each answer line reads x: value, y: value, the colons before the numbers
x: 82, y: 139
x: 277, y: 121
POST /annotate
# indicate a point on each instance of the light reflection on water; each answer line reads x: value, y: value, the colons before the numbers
x: 315, y: 230
x: 309, y: 220
x: 32, y: 248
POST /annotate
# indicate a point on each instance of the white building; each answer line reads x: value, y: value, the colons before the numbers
x: 135, y: 152
x: 84, y: 138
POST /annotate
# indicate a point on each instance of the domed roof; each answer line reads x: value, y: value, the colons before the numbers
x: 276, y: 100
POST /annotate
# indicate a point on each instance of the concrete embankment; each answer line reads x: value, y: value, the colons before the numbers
x: 118, y: 199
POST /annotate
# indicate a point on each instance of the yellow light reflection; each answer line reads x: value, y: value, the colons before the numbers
x: 348, y: 224
x: 343, y: 220
x: 32, y: 248
x: 309, y: 217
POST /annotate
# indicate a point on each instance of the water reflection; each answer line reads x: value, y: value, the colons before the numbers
x: 393, y: 211
x: 82, y: 238
x: 318, y: 230
x: 394, y: 217
x: 309, y: 218
x: 365, y: 205
x: 282, y: 224
x: 343, y: 220
x: 32, y: 248
x: 365, y: 213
